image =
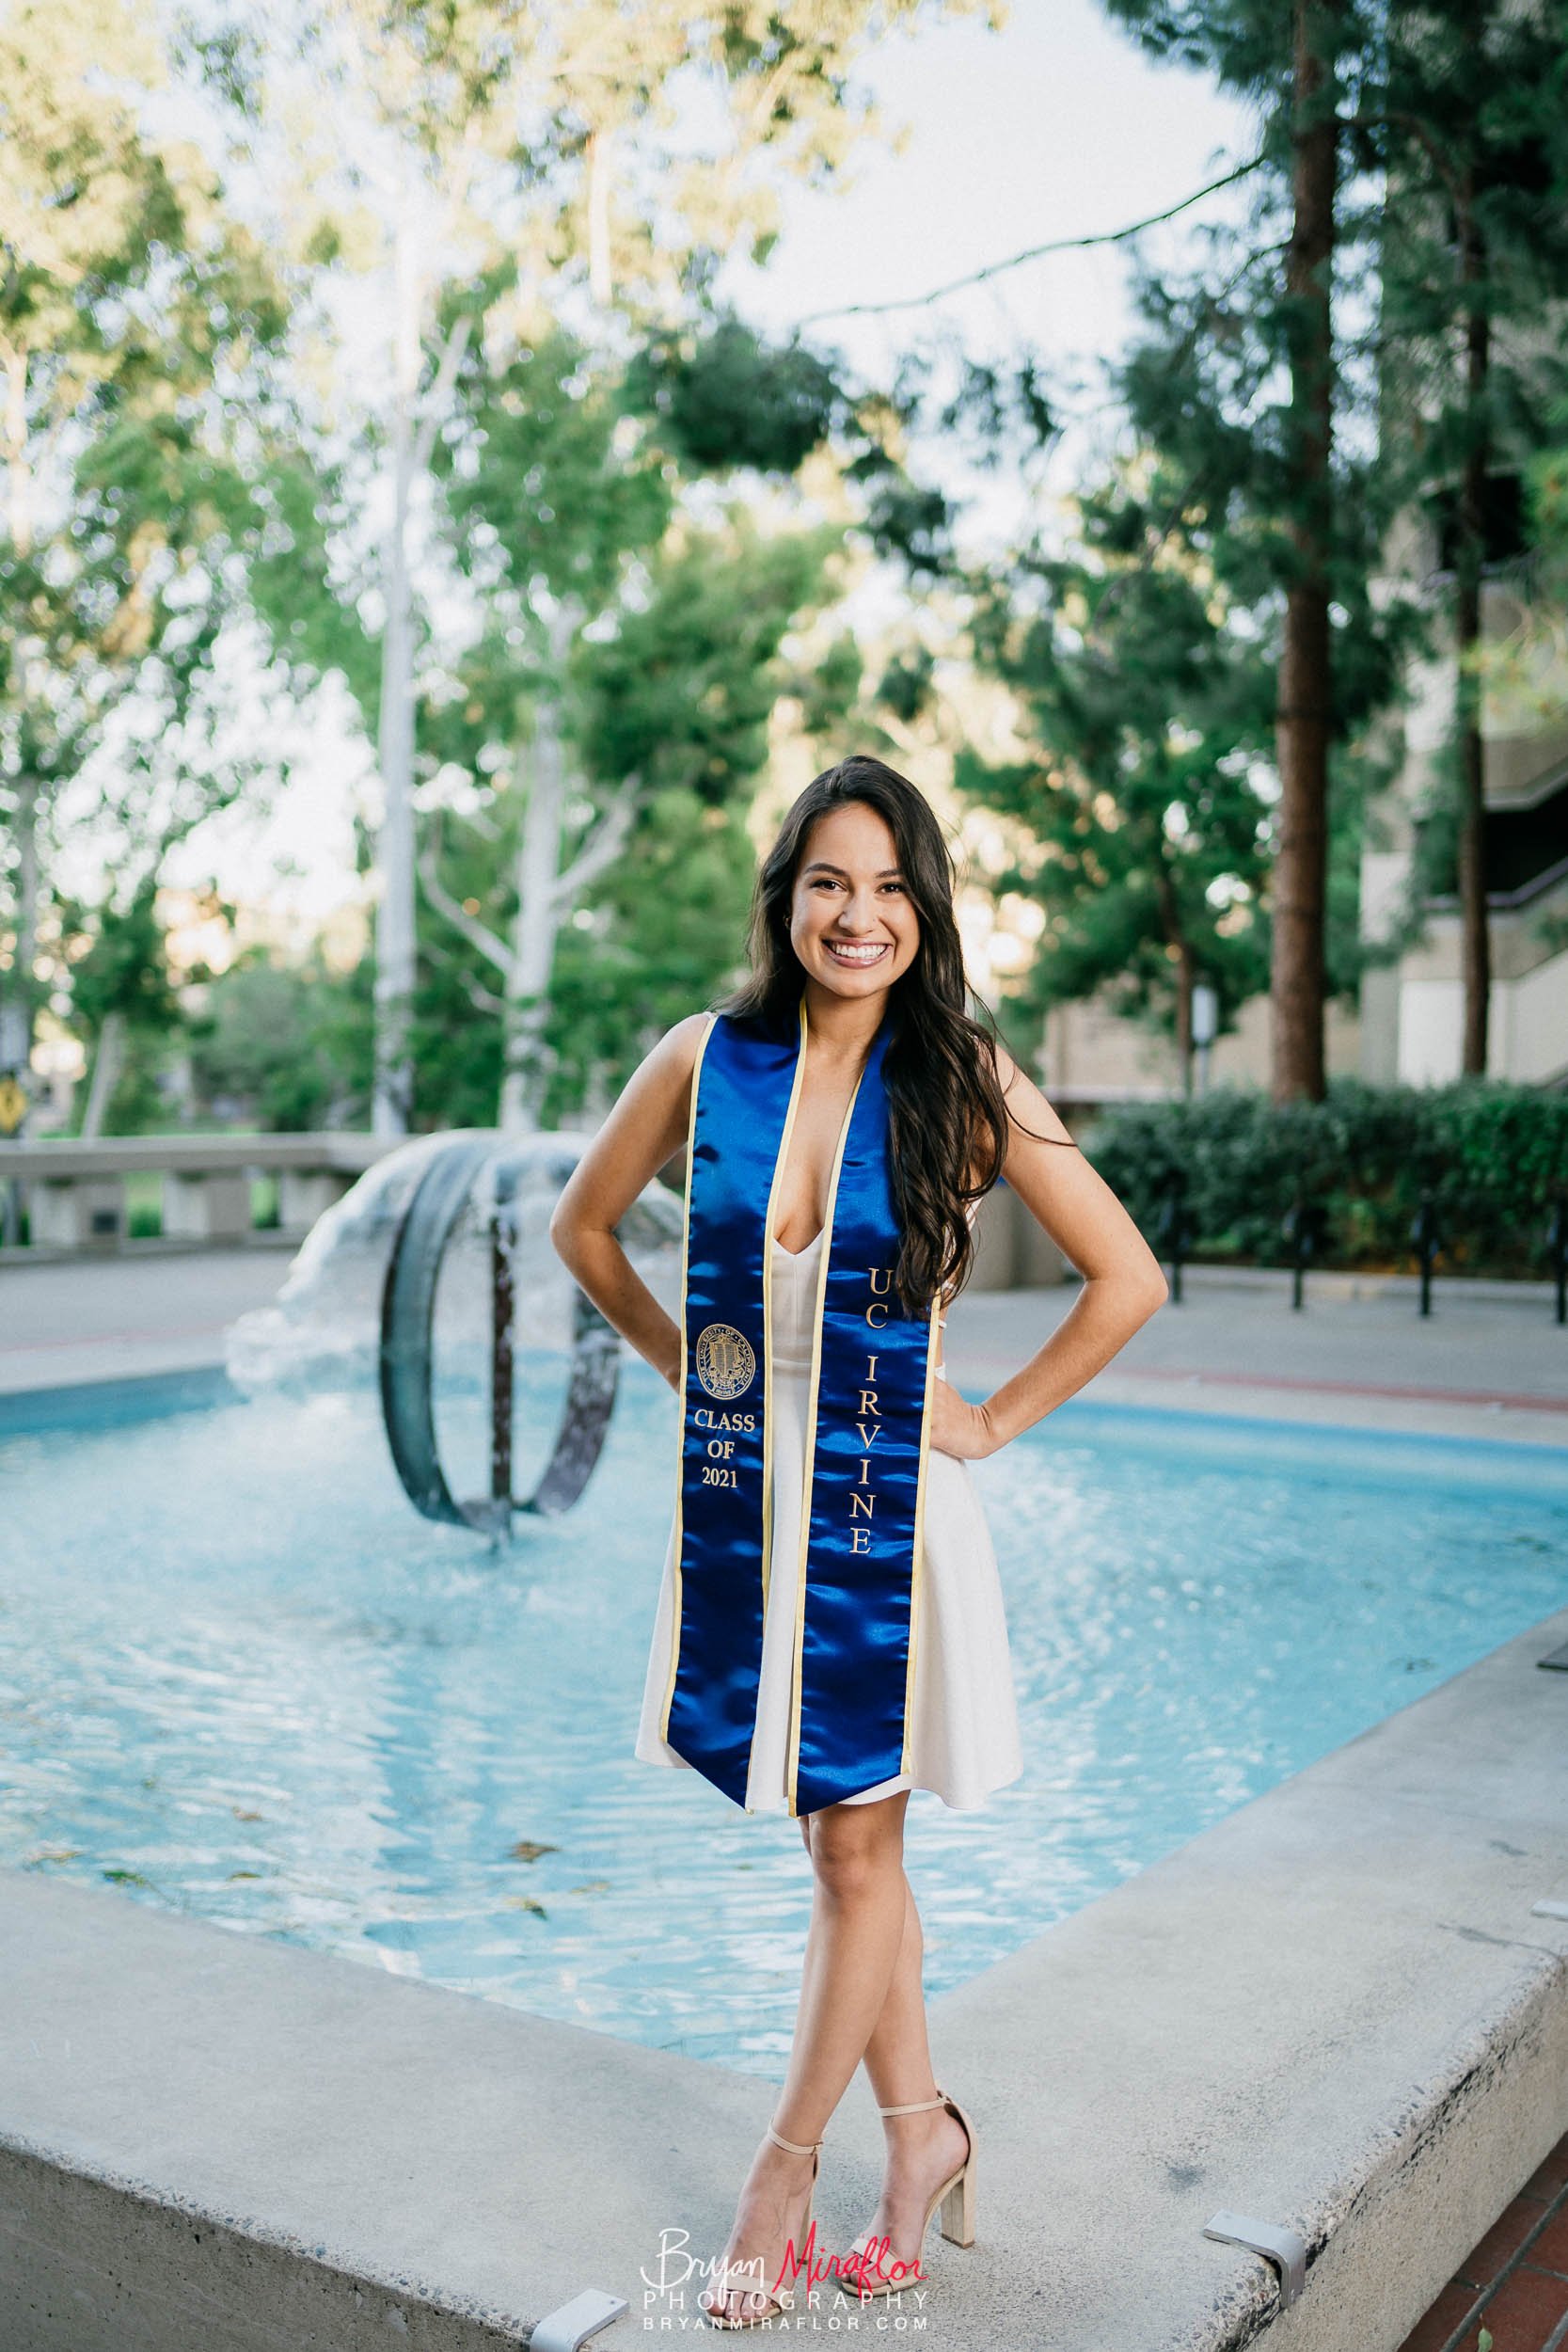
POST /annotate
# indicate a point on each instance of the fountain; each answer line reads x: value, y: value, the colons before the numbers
x: 450, y: 1233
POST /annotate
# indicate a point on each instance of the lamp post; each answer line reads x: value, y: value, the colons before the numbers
x: 1206, y: 1022
x: 13, y: 1112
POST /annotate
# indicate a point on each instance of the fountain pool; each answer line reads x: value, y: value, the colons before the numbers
x: 238, y: 1677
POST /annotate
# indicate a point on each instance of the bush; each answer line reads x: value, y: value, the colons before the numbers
x: 1492, y: 1156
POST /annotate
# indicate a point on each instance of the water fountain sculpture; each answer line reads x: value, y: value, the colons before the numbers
x: 458, y: 1222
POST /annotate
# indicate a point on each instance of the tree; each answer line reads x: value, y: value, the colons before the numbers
x: 542, y: 139
x: 1472, y: 132
x: 1424, y: 151
x: 1301, y: 67
x: 1304, y: 705
x: 121, y: 987
x: 624, y: 661
x: 292, y: 1041
x: 135, y: 317
x: 1145, y: 836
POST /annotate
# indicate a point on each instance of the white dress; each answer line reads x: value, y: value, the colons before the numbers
x: 964, y: 1739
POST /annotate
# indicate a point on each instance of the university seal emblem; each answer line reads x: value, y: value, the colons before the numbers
x: 726, y: 1364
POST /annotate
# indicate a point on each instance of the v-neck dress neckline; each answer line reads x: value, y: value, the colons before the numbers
x: 799, y: 1253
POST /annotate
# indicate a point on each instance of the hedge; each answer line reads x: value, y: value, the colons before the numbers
x: 1494, y: 1158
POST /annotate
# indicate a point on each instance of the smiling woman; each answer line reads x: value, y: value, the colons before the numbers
x: 829, y: 1633
x: 832, y: 915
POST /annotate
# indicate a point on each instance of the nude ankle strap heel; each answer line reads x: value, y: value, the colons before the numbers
x: 775, y: 2304
x: 956, y: 2195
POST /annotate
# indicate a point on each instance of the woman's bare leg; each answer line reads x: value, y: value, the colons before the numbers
x: 858, y: 1911
x: 922, y: 2150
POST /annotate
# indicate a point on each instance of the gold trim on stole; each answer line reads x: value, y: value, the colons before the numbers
x: 810, y: 1449
x: 917, y: 1556
x: 769, y: 1391
x: 940, y: 1305
x: 680, y: 1431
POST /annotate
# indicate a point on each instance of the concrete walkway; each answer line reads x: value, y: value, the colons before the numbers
x: 117, y: 1318
x: 1481, y: 1366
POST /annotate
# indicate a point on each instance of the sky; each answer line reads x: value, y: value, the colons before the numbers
x: 1054, y: 127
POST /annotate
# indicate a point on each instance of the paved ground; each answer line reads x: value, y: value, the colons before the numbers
x: 1479, y: 1366
x: 1483, y: 1365
x: 1514, y: 2285
x: 115, y: 1318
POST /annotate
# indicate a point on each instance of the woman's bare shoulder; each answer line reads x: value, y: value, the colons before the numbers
x: 667, y: 1069
x: 645, y: 1126
x: 678, y: 1049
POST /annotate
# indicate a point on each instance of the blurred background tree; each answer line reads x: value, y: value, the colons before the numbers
x: 591, y: 564
x: 530, y: 152
x: 282, y: 1045
x: 1143, y: 833
x: 1470, y: 128
x: 138, y: 324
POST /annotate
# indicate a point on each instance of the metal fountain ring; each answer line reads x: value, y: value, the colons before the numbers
x: 407, y: 1315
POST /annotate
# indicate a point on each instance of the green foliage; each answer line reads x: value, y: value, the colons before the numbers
x: 664, y: 935
x: 457, y: 1040
x: 294, y: 522
x: 631, y: 644
x: 539, y: 484
x: 120, y: 974
x: 1153, y: 712
x: 123, y: 965
x: 911, y: 523
x: 660, y: 935
x: 907, y: 684
x: 725, y: 398
x: 683, y: 693
x: 1473, y: 138
x: 1492, y: 1157
x: 291, y: 1043
x: 139, y: 1102
x: 1451, y: 206
x: 828, y: 690
x: 139, y: 321
x: 550, y: 479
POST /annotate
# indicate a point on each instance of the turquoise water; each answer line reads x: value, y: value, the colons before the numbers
x: 238, y: 1677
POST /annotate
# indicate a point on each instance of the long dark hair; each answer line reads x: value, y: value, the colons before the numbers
x: 949, y: 1122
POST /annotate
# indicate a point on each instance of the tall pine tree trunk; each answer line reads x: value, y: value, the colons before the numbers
x: 1304, y: 710
x: 1475, y: 946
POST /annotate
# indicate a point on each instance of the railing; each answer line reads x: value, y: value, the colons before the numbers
x: 1304, y: 1231
x: 75, y: 1198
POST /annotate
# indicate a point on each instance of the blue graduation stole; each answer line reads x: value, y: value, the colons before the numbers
x: 866, y: 1437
